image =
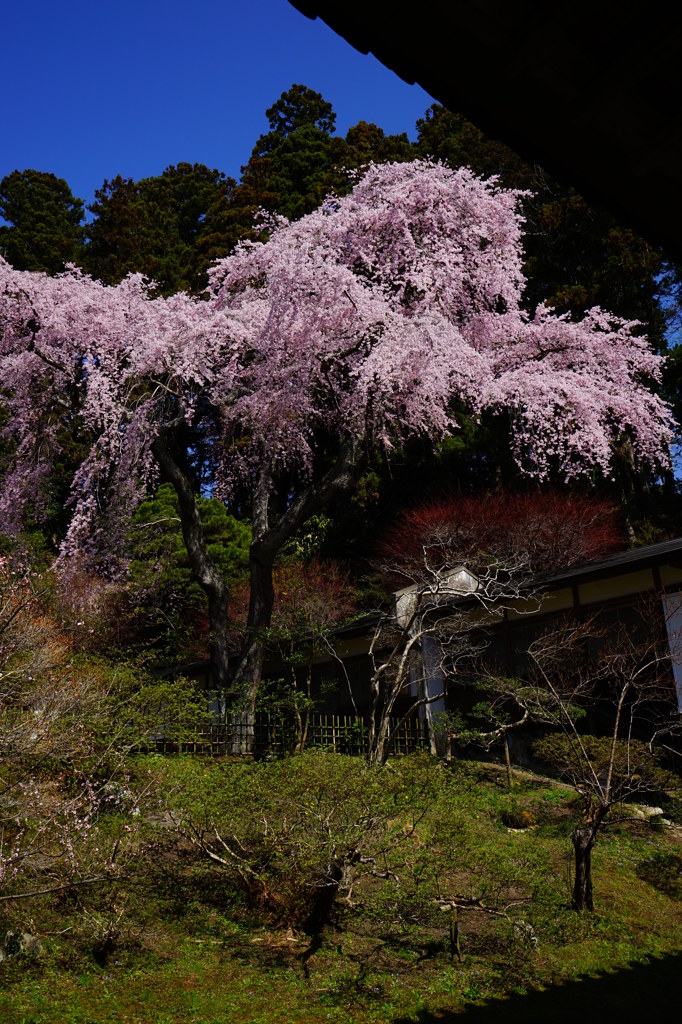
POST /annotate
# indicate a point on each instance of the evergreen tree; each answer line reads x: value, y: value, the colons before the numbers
x: 233, y: 215
x: 167, y: 606
x: 366, y: 142
x: 294, y: 167
x: 449, y: 137
x: 118, y: 230
x: 44, y: 229
x: 154, y: 226
x: 298, y: 107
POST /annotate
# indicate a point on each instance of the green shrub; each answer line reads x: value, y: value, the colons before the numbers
x: 663, y: 870
x: 291, y: 834
x: 635, y: 767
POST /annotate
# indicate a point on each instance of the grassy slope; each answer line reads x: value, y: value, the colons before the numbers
x: 194, y: 951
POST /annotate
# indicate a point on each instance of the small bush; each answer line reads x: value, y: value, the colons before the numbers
x: 516, y: 816
x: 663, y: 870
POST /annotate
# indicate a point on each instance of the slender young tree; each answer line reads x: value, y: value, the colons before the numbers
x: 362, y: 324
x: 627, y: 685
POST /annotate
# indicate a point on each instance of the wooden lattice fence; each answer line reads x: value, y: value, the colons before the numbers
x: 279, y: 735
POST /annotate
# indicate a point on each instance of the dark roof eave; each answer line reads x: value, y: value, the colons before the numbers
x: 667, y: 552
x: 590, y: 94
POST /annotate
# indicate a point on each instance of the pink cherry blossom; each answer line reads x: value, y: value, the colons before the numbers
x: 362, y: 321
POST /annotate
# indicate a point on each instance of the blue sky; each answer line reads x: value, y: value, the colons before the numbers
x: 92, y: 90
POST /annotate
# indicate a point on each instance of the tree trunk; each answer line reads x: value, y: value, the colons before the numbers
x: 379, y: 723
x: 583, y: 840
x: 247, y: 678
x: 217, y: 615
x: 380, y: 746
x: 267, y: 543
x: 507, y: 760
x: 203, y: 567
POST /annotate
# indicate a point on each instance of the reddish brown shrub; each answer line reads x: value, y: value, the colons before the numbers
x: 542, y: 530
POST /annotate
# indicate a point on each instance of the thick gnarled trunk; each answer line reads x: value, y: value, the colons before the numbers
x: 268, y: 541
x: 249, y: 672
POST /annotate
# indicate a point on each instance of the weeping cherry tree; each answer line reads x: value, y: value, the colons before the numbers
x: 364, y: 323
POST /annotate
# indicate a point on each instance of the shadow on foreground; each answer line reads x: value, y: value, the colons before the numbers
x: 643, y: 992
